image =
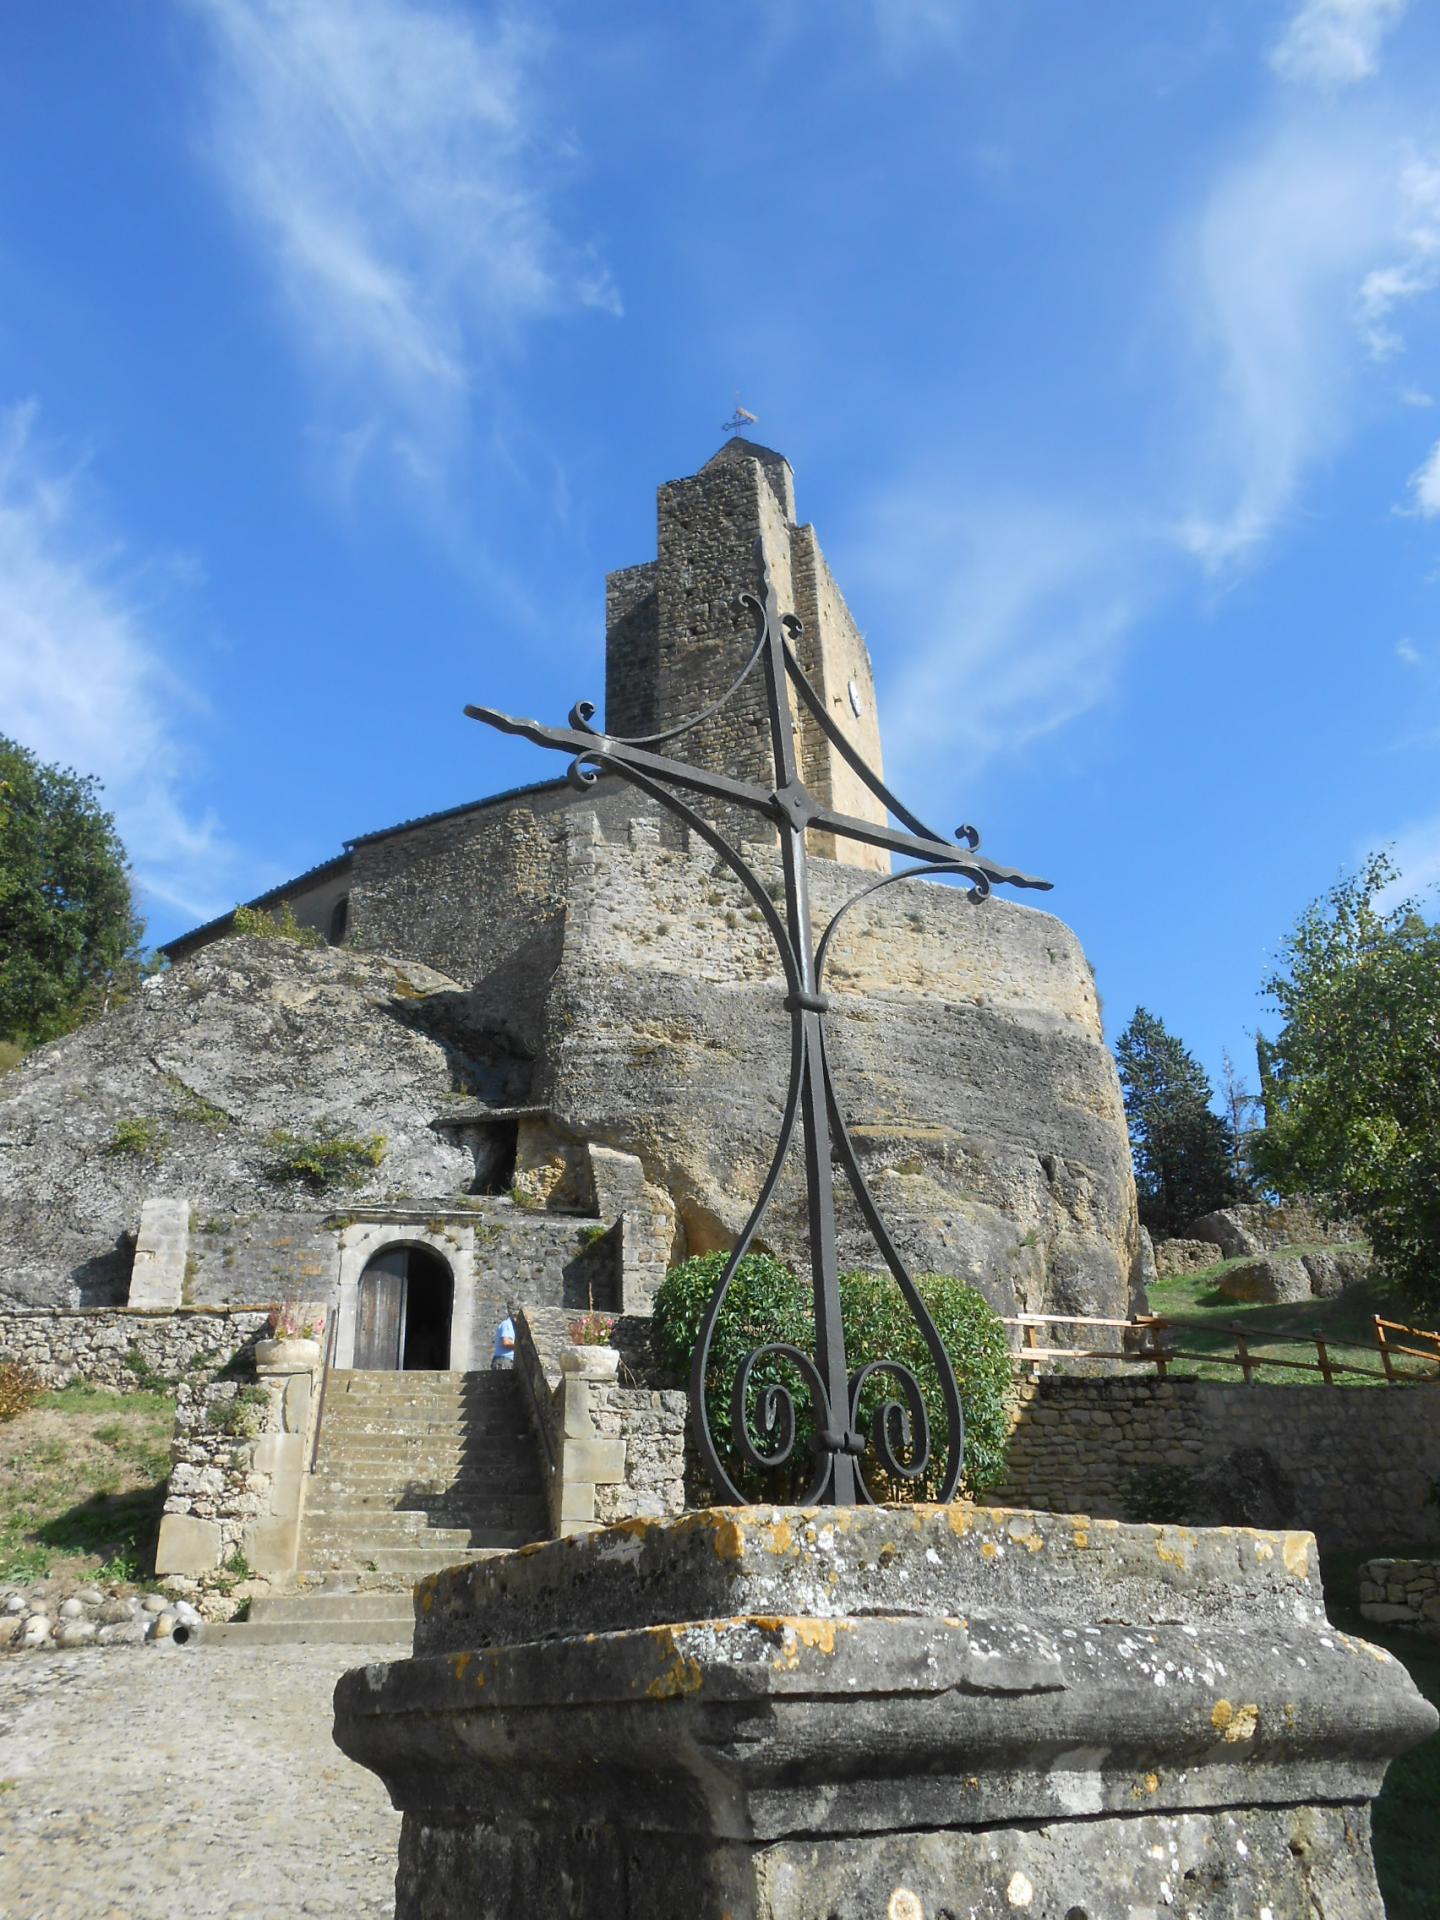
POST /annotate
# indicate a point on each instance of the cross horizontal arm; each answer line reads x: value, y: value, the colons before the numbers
x: 848, y: 827
x: 617, y: 754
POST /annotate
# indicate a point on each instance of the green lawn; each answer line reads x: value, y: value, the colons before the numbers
x: 1407, y: 1840
x: 82, y: 1485
x: 1270, y: 1330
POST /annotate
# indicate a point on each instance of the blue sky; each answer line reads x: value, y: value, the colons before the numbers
x: 343, y: 344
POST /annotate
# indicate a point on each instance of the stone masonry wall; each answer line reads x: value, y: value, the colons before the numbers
x: 226, y: 1458
x: 652, y: 1426
x: 61, y: 1345
x: 1355, y: 1467
x: 1402, y: 1593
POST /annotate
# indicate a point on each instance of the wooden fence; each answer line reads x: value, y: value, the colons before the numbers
x: 1152, y: 1339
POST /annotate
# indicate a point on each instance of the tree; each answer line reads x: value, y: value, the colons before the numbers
x: 1352, y: 1083
x: 1184, y: 1161
x: 69, y: 936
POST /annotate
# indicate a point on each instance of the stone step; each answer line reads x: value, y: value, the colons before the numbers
x: 361, y: 1538
x: 399, y: 1449
x: 343, y: 1497
x: 320, y: 1632
x: 415, y: 1562
x: 333, y: 1603
x: 423, y: 1423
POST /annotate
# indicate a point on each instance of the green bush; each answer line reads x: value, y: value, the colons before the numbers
x: 767, y: 1305
x: 326, y: 1158
x: 277, y: 926
x: 140, y: 1134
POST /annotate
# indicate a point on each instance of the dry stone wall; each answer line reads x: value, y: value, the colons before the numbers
x: 120, y: 1349
x: 1402, y: 1593
x: 1356, y: 1467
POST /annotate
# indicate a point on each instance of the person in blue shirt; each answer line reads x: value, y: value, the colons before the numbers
x: 503, y: 1357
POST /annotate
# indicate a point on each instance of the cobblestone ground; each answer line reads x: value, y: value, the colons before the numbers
x: 200, y: 1784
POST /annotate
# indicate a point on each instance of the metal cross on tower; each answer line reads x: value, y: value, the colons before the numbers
x: 899, y: 1429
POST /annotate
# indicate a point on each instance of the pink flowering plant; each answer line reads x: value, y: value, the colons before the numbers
x: 295, y: 1321
x: 592, y: 1330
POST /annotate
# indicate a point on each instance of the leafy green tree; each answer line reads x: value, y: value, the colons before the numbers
x: 1184, y: 1151
x: 1352, y: 1082
x: 69, y: 936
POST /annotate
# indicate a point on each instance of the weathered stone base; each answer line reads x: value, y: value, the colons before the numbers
x: 917, y: 1712
x: 1310, y: 1861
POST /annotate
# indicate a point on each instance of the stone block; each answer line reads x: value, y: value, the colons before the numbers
x: 785, y: 1714
x: 271, y: 1544
x: 157, y: 1275
x: 279, y: 1453
x: 1266, y: 1279
x: 295, y: 1407
x: 187, y: 1545
x: 577, y: 1501
x: 601, y: 1462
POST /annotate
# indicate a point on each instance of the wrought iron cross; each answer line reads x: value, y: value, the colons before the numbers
x: 900, y: 1428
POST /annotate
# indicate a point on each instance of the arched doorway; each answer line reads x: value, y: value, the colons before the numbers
x: 402, y: 1310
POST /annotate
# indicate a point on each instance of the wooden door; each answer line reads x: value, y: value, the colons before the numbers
x: 380, y: 1311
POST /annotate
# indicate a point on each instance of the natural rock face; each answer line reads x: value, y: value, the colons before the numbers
x: 1183, y: 1256
x: 1291, y: 1252
x: 966, y: 1046
x: 249, y: 1037
x: 1269, y: 1279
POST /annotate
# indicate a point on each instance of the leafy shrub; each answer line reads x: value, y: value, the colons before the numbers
x: 19, y: 1389
x: 139, y: 1134
x: 326, y: 1158
x: 277, y: 926
x: 767, y: 1305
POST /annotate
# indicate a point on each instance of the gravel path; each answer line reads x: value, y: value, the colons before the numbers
x: 138, y: 1784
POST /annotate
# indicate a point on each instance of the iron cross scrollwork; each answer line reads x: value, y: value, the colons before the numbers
x: 899, y: 1429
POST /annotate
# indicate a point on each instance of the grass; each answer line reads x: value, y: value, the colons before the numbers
x: 1347, y: 1316
x: 82, y: 1485
x: 1406, y: 1856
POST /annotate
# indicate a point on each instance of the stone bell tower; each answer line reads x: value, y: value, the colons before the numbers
x: 676, y: 638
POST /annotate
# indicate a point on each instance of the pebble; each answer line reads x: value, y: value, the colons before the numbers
x: 115, y: 1611
x: 73, y: 1608
x: 75, y: 1633
x: 210, y: 1787
x: 154, y: 1603
x: 164, y: 1626
x: 122, y: 1633
x: 17, y: 1603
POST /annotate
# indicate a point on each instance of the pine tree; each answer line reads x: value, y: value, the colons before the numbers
x: 1184, y: 1151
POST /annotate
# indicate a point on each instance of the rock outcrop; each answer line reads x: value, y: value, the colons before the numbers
x: 966, y: 1044
x: 181, y: 1091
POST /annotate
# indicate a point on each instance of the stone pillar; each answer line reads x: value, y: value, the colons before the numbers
x: 162, y: 1248
x: 784, y: 1714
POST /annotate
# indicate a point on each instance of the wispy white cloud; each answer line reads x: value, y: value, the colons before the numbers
x: 1334, y: 43
x: 1425, y: 485
x: 1407, y: 651
x: 1015, y: 612
x: 396, y: 165
x: 83, y: 678
x: 1266, y: 277
x: 1415, y: 270
x: 1416, y: 397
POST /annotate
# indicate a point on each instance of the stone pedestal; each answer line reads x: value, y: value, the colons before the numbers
x: 917, y: 1713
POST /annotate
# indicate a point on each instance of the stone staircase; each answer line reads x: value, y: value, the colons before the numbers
x: 414, y: 1472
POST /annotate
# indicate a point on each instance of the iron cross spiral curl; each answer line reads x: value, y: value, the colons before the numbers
x: 899, y: 1434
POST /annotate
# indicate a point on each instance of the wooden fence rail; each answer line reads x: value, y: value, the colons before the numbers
x: 1155, y: 1340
